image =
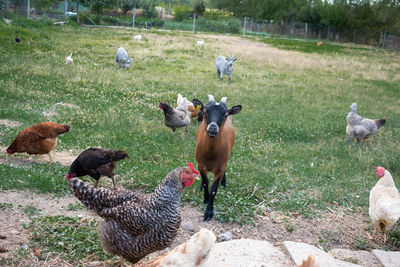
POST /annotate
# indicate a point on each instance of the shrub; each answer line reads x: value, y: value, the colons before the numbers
x: 216, y: 14
x: 232, y: 25
x: 182, y: 13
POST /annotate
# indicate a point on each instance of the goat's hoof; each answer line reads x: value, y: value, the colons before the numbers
x: 208, y: 215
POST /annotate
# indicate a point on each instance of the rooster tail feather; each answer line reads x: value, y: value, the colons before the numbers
x: 380, y: 122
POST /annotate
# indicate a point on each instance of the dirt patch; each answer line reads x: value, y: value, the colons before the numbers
x: 13, y: 218
x: 9, y: 123
x: 65, y: 158
x: 337, y: 228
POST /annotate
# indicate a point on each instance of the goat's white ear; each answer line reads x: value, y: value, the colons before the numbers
x: 211, y: 98
x: 223, y: 100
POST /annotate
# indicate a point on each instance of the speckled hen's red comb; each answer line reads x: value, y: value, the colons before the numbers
x: 380, y: 171
x: 191, y: 166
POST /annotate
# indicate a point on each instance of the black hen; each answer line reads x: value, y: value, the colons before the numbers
x: 96, y: 162
x: 17, y: 39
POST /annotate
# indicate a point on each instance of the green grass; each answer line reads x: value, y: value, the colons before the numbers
x: 73, y: 238
x: 290, y: 149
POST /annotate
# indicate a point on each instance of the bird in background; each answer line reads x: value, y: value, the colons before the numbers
x: 69, y: 60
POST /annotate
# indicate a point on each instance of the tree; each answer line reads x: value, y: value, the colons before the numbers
x: 277, y: 10
x: 128, y: 5
x: 97, y: 6
x: 199, y: 6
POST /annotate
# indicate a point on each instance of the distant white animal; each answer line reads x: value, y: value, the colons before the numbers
x: 8, y: 21
x: 224, y: 66
x: 200, y: 43
x: 137, y: 37
x: 69, y: 60
x: 122, y: 58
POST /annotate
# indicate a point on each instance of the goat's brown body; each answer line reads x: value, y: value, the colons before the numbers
x: 212, y: 153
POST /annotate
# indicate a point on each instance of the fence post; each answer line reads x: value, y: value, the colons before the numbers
x: 194, y: 22
x: 384, y: 40
x: 77, y: 13
x: 133, y: 17
x: 305, y: 31
x: 65, y: 8
x: 354, y: 35
x: 244, y: 26
x: 28, y: 7
x: 329, y: 31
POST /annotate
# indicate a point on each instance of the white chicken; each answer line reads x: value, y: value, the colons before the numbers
x: 137, y: 37
x: 190, y: 106
x: 69, y: 60
x: 361, y: 128
x: 200, y: 42
x: 384, y: 203
x: 189, y: 254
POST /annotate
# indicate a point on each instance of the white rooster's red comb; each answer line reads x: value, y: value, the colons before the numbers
x: 380, y: 171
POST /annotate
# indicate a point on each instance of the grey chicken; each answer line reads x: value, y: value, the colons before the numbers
x: 96, y: 162
x: 137, y: 224
x: 176, y: 117
x: 361, y: 128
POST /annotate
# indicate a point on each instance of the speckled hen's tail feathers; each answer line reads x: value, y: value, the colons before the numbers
x: 90, y: 196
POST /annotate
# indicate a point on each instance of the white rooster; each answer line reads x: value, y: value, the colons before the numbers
x: 200, y: 42
x: 69, y: 60
x: 384, y: 203
x: 191, y: 108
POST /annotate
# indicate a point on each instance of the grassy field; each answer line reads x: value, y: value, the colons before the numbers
x: 290, y: 152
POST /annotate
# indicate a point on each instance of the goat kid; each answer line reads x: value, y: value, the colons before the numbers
x: 224, y: 66
x: 215, y: 139
x: 122, y: 58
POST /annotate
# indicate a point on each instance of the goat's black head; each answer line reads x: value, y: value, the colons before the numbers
x: 216, y: 114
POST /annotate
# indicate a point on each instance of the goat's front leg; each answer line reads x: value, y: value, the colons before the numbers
x: 208, y: 214
x: 204, y: 185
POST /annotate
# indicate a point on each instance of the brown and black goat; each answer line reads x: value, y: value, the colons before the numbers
x: 215, y: 138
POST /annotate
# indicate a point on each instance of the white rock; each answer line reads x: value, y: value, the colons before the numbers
x: 388, y: 258
x: 245, y: 253
x: 188, y: 227
x: 361, y: 257
x: 225, y: 237
x: 300, y: 251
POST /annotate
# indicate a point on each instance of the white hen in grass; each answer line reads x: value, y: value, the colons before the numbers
x: 137, y: 37
x: 384, y: 203
x: 200, y: 43
x: 69, y: 60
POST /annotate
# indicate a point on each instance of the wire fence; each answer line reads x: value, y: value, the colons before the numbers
x: 164, y: 20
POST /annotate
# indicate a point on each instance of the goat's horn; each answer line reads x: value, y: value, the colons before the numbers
x: 211, y: 98
x: 223, y: 100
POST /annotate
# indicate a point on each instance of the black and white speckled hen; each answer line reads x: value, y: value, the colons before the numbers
x: 137, y: 224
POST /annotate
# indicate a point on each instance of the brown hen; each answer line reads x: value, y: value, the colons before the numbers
x: 38, y: 139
